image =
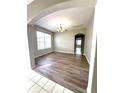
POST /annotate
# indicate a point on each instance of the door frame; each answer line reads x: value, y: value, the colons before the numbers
x: 82, y: 36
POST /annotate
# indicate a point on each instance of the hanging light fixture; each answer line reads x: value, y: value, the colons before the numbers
x: 61, y: 28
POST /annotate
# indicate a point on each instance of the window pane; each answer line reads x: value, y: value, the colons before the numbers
x: 40, y: 34
x: 40, y: 45
x: 78, y: 42
x: 40, y: 40
x: 47, y: 44
x: 47, y: 41
x: 47, y: 37
x: 43, y: 40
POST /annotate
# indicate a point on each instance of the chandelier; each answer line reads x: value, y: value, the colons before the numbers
x: 61, y: 29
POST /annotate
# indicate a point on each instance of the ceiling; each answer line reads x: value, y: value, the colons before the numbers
x: 29, y: 1
x: 69, y: 18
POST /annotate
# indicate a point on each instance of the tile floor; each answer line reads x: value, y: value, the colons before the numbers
x: 40, y: 84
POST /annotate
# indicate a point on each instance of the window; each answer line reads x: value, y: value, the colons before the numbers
x: 78, y: 42
x: 43, y: 40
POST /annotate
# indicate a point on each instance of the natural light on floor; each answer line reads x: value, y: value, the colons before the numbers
x: 40, y: 84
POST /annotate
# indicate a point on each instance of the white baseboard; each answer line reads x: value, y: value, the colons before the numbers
x: 64, y: 52
x: 44, y: 54
x: 61, y: 52
x: 87, y: 58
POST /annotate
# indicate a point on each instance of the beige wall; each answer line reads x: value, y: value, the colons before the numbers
x: 92, y: 57
x: 89, y: 38
x: 88, y: 43
x: 92, y: 81
x: 64, y: 42
x: 30, y: 33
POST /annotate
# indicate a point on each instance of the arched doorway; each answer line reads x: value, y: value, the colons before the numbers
x: 79, y: 43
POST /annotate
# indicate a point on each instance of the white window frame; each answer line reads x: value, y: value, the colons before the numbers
x: 42, y: 41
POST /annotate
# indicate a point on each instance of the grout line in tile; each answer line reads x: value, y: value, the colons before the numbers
x: 40, y: 86
x: 44, y: 85
x: 32, y: 77
x: 53, y: 88
x: 40, y: 90
x: 31, y: 87
x: 35, y: 76
x: 46, y: 90
x: 37, y: 80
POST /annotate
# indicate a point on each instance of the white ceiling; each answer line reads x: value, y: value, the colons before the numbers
x: 29, y: 1
x: 71, y: 17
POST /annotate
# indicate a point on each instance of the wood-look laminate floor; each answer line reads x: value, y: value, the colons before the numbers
x: 68, y: 70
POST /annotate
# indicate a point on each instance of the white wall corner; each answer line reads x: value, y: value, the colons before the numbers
x: 63, y: 51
